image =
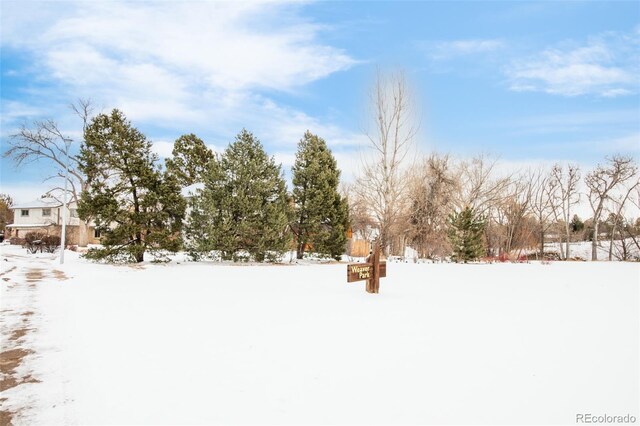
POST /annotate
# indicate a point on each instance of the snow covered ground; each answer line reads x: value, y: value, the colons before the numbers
x: 582, y: 250
x: 204, y: 343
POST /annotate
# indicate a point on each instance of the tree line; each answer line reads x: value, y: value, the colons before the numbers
x: 243, y: 210
x: 441, y: 206
x: 467, y: 209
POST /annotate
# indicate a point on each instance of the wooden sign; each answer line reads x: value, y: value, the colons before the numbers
x: 371, y: 271
x: 363, y: 271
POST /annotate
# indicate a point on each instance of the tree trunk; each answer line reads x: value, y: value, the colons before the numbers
x: 613, y: 233
x: 567, y: 250
x: 594, y: 241
x: 542, y: 245
x: 83, y: 238
x: 139, y: 253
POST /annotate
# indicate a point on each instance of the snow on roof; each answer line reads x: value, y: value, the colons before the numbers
x: 39, y: 203
x: 29, y: 225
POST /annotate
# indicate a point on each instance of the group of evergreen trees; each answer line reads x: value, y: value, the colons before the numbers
x: 242, y: 212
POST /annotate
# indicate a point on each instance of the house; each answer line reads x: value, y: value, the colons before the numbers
x: 44, y: 216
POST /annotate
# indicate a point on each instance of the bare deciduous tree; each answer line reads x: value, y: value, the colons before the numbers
x: 618, y: 203
x: 541, y: 204
x: 600, y: 183
x: 512, y: 213
x: 44, y: 140
x: 566, y: 190
x: 432, y: 188
x: 362, y: 225
x: 381, y: 185
x: 479, y: 188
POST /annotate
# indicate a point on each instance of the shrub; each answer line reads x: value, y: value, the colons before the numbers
x: 35, y: 241
x: 50, y: 243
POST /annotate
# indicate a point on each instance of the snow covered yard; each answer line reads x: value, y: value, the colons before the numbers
x: 217, y: 344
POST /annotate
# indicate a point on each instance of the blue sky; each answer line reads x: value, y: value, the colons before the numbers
x: 530, y: 82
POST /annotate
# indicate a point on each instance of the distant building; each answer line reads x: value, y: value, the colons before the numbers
x: 44, y: 215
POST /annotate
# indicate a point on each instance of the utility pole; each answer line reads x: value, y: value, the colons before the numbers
x: 65, y: 208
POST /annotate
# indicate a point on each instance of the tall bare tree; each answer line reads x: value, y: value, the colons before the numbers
x: 601, y: 182
x: 479, y: 188
x: 512, y: 214
x: 433, y: 186
x: 541, y: 204
x: 44, y: 140
x: 362, y: 224
x: 618, y: 203
x: 381, y: 185
x: 568, y: 195
x: 482, y: 190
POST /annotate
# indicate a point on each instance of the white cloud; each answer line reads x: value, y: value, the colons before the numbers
x: 628, y: 144
x: 445, y: 50
x: 217, y: 44
x: 181, y: 65
x: 24, y: 192
x: 573, y: 122
x: 16, y: 110
x: 162, y: 148
x: 606, y: 65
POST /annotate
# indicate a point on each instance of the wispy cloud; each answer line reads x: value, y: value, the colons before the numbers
x: 16, y: 110
x: 628, y: 144
x: 445, y: 50
x: 607, y: 65
x: 189, y: 65
x: 577, y: 122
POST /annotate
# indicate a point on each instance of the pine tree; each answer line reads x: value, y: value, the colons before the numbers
x: 243, y: 207
x: 190, y: 159
x: 465, y: 234
x: 6, y: 214
x: 321, y: 214
x: 136, y: 207
x: 577, y: 225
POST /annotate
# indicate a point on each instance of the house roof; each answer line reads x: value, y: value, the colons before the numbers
x: 29, y: 225
x: 38, y: 204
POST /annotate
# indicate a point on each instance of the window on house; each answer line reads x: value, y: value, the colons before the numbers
x: 24, y: 213
x: 46, y: 212
x: 96, y: 233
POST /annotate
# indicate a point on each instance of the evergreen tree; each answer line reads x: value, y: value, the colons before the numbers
x: 190, y: 159
x: 135, y: 206
x: 576, y: 224
x: 243, y: 207
x: 321, y: 214
x: 6, y: 214
x: 465, y: 234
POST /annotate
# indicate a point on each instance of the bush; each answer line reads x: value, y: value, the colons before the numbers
x: 35, y: 241
x: 17, y: 241
x: 33, y: 236
x: 50, y: 243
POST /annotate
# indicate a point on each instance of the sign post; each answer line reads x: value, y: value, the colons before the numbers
x: 371, y: 271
